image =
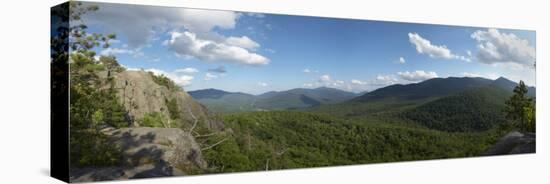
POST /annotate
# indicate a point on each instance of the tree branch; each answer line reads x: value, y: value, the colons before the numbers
x: 211, y: 146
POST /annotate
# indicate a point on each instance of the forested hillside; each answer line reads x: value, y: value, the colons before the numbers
x: 287, y: 139
x: 475, y: 109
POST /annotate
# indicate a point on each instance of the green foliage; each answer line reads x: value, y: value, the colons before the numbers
x: 173, y: 108
x: 93, y: 99
x: 227, y: 157
x: 164, y: 81
x: 111, y: 64
x: 91, y: 148
x: 153, y: 119
x: 286, y: 139
x: 477, y: 109
x: 521, y: 109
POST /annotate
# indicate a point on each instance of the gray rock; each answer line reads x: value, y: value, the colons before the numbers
x: 513, y: 143
x: 139, y: 94
x: 147, y: 152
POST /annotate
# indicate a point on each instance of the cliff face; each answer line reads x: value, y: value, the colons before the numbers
x: 140, y: 95
x: 167, y: 150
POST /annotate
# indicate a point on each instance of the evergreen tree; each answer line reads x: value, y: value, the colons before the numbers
x: 521, y: 109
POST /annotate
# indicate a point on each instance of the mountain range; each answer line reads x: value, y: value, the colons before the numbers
x: 398, y: 95
x: 223, y: 101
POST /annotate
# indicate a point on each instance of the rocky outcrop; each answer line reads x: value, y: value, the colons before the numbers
x: 148, y: 152
x: 140, y: 94
x: 513, y: 143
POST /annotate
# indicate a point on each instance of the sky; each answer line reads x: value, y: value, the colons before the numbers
x: 256, y: 53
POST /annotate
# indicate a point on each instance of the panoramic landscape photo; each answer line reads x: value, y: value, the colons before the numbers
x: 162, y: 91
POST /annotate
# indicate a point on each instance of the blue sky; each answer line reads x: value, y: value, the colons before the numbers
x: 256, y: 53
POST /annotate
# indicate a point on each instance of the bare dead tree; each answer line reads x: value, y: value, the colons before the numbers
x: 267, y: 164
x: 213, y: 145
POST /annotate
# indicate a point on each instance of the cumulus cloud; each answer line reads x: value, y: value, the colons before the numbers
x: 418, y: 75
x: 495, y: 47
x: 358, y: 82
x: 243, y: 42
x: 187, y: 70
x: 142, y: 24
x: 262, y: 84
x: 307, y: 70
x: 310, y: 85
x: 488, y: 76
x: 468, y: 74
x: 401, y: 60
x: 112, y: 51
x: 384, y: 80
x: 337, y: 83
x: 219, y: 69
x: 424, y: 46
x: 188, y: 44
x: 325, y: 78
x: 210, y: 76
x: 179, y: 79
x: 139, y: 23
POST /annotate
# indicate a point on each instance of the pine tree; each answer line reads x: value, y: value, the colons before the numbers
x: 520, y: 109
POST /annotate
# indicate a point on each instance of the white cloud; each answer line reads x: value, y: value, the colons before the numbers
x: 358, y: 82
x: 383, y: 80
x: 115, y: 51
x: 243, y: 42
x: 325, y: 78
x: 139, y: 23
x: 143, y: 25
x: 487, y: 76
x: 468, y: 74
x: 307, y: 70
x: 187, y: 70
x: 181, y: 80
x: 418, y: 75
x: 263, y: 84
x: 205, y: 20
x: 401, y: 60
x: 495, y: 47
x: 188, y: 44
x: 424, y: 46
x: 112, y: 51
x: 210, y: 76
x: 310, y: 85
x: 338, y: 83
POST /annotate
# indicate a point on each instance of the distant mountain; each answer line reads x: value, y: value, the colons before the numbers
x: 475, y: 109
x: 398, y: 98
x: 509, y: 85
x: 435, y: 87
x: 223, y: 101
x: 302, y: 98
x: 211, y: 93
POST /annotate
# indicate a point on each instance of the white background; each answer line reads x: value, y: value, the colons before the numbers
x: 24, y: 90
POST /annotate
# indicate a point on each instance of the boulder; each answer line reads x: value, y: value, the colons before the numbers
x: 513, y: 143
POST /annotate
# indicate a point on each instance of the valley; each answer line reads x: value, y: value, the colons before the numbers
x: 132, y: 115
